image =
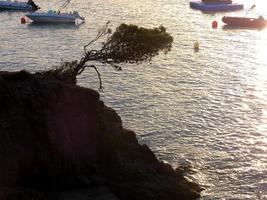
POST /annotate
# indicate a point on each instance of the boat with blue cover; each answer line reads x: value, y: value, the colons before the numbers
x: 18, y: 5
x: 215, y: 6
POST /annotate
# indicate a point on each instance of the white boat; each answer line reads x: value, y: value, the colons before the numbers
x: 18, y: 5
x: 55, y: 17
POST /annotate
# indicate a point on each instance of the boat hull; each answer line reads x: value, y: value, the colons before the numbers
x: 217, y: 1
x: 215, y: 7
x: 51, y: 18
x: 19, y: 6
x: 244, y: 22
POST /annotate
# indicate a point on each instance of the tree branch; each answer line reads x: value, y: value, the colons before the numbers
x: 100, y: 34
x: 98, y: 74
x: 128, y: 44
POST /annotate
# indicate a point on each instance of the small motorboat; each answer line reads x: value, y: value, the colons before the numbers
x: 215, y: 6
x: 217, y: 1
x: 245, y: 22
x: 55, y: 17
x: 18, y: 5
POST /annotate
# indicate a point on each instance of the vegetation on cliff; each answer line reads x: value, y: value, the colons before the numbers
x: 128, y: 44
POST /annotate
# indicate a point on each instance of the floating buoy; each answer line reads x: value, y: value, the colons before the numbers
x: 214, y: 24
x: 23, y: 20
x: 196, y: 46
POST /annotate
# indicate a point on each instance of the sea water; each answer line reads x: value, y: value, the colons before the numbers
x: 205, y: 109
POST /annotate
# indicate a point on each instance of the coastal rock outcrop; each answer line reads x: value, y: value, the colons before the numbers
x: 59, y: 141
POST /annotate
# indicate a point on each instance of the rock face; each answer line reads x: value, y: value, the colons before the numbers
x: 59, y: 141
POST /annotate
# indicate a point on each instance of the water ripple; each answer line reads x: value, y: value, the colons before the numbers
x: 206, y: 109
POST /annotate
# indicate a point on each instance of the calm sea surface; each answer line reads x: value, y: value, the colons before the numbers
x: 206, y: 109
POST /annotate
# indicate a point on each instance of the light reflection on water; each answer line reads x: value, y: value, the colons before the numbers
x: 207, y: 109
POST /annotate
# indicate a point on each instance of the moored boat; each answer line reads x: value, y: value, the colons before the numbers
x: 18, y: 5
x: 244, y: 22
x: 215, y: 7
x: 217, y: 1
x: 54, y: 17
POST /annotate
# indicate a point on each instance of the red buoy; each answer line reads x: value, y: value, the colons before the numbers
x: 214, y: 24
x: 23, y: 20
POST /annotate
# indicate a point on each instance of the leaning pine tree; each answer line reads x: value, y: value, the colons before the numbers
x: 128, y: 44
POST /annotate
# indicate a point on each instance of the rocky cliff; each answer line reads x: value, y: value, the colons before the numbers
x: 59, y: 141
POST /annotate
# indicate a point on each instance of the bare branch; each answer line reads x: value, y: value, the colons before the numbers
x: 101, y: 33
x: 98, y: 74
x: 99, y: 77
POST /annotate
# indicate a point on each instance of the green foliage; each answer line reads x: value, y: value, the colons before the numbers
x: 62, y: 72
x: 65, y: 65
x: 128, y: 44
x: 133, y: 44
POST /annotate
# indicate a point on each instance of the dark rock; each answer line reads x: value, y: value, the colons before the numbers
x: 97, y: 193
x: 59, y: 141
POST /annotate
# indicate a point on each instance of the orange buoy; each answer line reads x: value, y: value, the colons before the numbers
x: 214, y: 24
x: 23, y: 20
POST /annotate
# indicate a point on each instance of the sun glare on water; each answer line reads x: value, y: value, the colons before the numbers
x: 260, y: 6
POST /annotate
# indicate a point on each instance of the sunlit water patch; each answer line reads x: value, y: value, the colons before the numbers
x: 207, y: 109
